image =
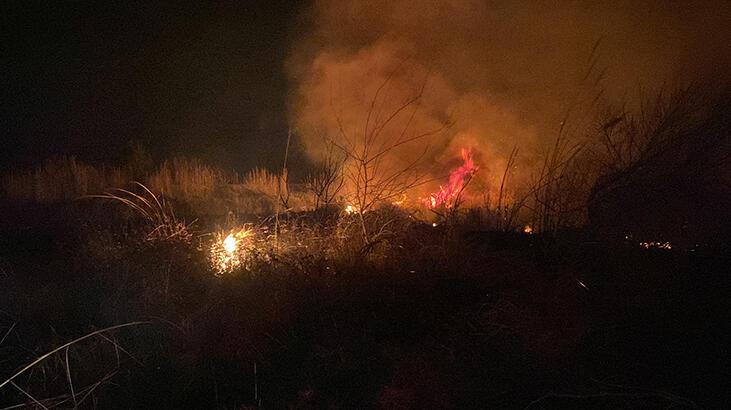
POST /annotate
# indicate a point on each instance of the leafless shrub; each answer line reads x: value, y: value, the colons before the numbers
x: 557, y: 195
x: 327, y: 181
x: 664, y: 170
x: 504, y: 213
x: 371, y: 179
x: 688, y: 125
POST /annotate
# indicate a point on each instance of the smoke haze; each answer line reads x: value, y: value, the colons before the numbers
x: 499, y: 74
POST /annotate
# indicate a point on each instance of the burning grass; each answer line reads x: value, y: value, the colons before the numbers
x: 449, y: 195
x: 232, y: 251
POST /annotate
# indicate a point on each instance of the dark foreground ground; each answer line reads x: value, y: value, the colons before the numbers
x: 439, y: 320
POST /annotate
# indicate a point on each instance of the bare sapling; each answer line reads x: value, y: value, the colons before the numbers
x: 372, y: 175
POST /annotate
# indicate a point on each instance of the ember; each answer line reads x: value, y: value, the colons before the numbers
x: 656, y: 245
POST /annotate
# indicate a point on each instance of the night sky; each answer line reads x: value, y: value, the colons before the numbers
x: 93, y: 79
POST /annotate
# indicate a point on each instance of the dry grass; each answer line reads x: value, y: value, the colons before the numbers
x: 196, y: 187
x: 156, y: 212
x: 265, y: 183
x: 61, y: 179
x: 275, y: 188
x: 189, y: 179
x: 75, y: 397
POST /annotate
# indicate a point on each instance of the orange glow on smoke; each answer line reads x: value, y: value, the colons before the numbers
x: 458, y: 179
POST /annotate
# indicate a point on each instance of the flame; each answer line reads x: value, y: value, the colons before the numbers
x: 458, y: 180
x: 350, y: 209
x: 230, y: 244
x: 400, y: 201
x: 227, y: 253
x: 528, y: 229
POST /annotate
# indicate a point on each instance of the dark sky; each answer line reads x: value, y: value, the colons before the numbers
x: 89, y: 79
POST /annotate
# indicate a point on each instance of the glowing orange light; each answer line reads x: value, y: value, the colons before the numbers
x: 458, y: 179
x: 226, y: 253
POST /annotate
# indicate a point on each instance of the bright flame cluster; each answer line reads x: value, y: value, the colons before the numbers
x: 350, y: 209
x: 227, y: 252
x: 458, y: 179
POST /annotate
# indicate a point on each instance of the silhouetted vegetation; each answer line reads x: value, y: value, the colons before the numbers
x: 382, y: 306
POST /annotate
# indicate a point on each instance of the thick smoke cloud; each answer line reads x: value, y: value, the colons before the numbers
x: 502, y: 73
